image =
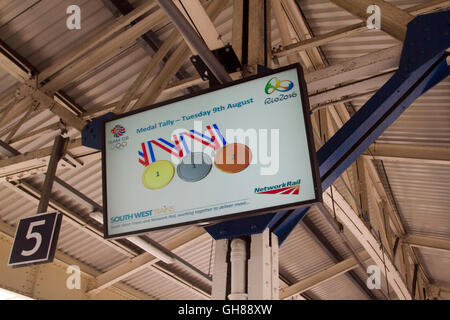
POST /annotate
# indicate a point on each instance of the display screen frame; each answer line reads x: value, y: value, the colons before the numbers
x: 213, y: 220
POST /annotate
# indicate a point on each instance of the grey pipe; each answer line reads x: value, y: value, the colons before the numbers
x: 196, y: 42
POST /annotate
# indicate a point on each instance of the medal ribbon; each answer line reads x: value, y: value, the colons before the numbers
x: 176, y: 149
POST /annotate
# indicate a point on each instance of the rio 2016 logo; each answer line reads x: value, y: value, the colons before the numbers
x: 276, y: 84
x: 118, y: 131
x: 282, y: 86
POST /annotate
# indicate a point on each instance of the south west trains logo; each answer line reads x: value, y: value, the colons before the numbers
x: 120, y: 141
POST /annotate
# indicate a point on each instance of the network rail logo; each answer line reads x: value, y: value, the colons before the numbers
x: 289, y: 187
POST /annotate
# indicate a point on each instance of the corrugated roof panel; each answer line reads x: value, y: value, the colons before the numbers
x: 426, y: 122
x: 437, y: 264
x: 324, y: 16
x: 11, y: 8
x: 13, y: 206
x: 164, y: 235
x: 189, y: 278
x: 41, y: 119
x: 384, y: 292
x: 339, y: 288
x: 330, y: 234
x: 421, y: 192
x: 199, y: 252
x: 108, y: 81
x: 158, y: 286
x: 300, y: 256
x: 7, y: 84
x: 88, y: 249
x: 72, y: 241
x: 40, y: 34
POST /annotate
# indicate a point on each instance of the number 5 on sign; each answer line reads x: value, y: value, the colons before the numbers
x: 35, y: 235
x: 35, y: 239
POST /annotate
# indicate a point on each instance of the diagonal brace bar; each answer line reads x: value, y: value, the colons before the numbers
x: 57, y: 153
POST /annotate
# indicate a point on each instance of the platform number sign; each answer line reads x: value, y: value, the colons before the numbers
x: 35, y: 239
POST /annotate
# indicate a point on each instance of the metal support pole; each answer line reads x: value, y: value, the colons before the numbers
x: 237, y: 277
x: 219, y: 287
x: 57, y: 153
x: 263, y: 272
x: 238, y: 259
x: 194, y: 40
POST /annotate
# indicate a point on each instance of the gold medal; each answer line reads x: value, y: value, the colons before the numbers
x: 158, y: 174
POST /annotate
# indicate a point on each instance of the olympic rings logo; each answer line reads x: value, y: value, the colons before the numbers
x: 118, y: 145
x: 276, y: 84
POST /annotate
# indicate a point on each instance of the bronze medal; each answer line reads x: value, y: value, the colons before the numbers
x: 233, y: 158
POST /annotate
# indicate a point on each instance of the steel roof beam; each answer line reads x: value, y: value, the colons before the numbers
x: 15, y: 65
x: 349, y: 218
x: 175, y: 56
x: 194, y: 40
x: 332, y: 75
x: 82, y: 224
x: 29, y: 95
x: 142, y: 261
x: 323, y: 242
x: 394, y: 19
x: 176, y: 60
x: 94, y: 41
x: 102, y: 52
x: 71, y: 217
x: 322, y: 276
x: 58, y: 150
x: 353, y: 29
x: 88, y: 274
x: 149, y: 39
x: 408, y: 153
x: 23, y: 163
x: 420, y: 241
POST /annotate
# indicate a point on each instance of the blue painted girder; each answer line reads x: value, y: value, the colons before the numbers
x: 92, y: 133
x: 422, y: 65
